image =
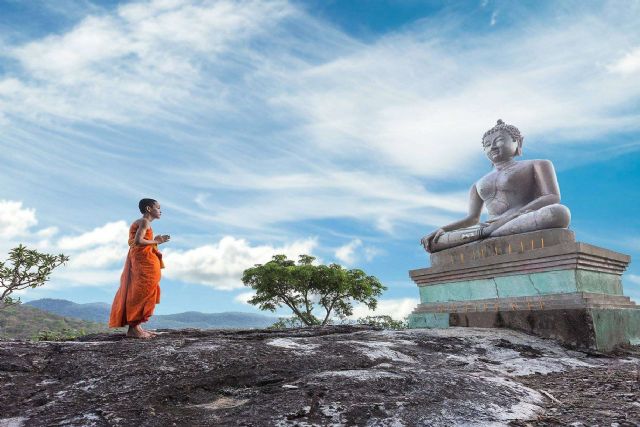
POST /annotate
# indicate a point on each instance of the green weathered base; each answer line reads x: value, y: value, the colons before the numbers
x: 602, y: 329
x: 522, y: 285
x: 428, y: 320
x: 614, y: 327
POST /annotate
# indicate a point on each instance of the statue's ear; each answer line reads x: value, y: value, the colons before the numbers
x: 519, y: 149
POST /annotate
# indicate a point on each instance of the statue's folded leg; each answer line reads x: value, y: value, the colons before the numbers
x: 458, y: 237
x: 552, y: 216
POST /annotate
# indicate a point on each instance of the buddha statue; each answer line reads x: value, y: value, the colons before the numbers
x: 521, y: 196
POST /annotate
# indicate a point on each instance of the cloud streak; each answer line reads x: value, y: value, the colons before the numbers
x: 354, y: 127
x: 398, y: 309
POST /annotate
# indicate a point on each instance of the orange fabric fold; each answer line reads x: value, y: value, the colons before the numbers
x: 139, y: 290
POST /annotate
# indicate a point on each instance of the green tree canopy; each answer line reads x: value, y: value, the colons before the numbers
x: 25, y: 268
x: 304, y: 286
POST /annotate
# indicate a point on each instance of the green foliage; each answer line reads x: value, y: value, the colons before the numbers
x: 25, y: 268
x: 303, y: 286
x: 288, y: 322
x: 383, y: 322
x: 65, y: 334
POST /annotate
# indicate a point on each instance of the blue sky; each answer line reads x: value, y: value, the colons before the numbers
x: 342, y: 129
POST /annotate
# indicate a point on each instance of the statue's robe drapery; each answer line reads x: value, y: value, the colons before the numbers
x: 139, y: 290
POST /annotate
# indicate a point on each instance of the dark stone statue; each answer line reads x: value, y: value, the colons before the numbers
x: 521, y: 196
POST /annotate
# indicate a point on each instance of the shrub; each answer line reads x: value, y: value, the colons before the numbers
x: 384, y: 322
x: 65, y: 334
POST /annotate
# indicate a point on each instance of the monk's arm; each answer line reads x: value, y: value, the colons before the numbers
x: 547, y: 184
x: 139, y: 239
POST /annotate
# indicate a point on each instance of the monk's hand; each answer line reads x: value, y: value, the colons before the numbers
x: 430, y: 239
x: 161, y: 238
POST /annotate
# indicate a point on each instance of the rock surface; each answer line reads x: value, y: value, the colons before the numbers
x: 340, y: 375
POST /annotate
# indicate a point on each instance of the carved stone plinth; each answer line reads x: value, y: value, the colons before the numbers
x: 542, y: 282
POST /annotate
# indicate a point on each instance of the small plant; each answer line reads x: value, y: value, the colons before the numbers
x: 288, y: 322
x: 384, y: 322
x: 25, y: 268
x: 66, y: 334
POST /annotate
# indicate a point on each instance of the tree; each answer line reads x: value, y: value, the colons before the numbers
x: 304, y: 286
x: 25, y: 268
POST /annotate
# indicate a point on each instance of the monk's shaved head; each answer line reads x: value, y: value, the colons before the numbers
x: 144, y: 203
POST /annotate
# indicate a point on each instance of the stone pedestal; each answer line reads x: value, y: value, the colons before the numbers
x: 542, y: 282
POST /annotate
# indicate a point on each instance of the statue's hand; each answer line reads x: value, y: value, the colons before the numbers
x: 430, y: 239
x: 487, y: 229
x: 500, y: 221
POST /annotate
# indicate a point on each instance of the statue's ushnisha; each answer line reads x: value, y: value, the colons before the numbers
x: 521, y: 196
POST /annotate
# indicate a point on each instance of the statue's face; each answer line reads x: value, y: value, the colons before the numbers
x: 500, y: 146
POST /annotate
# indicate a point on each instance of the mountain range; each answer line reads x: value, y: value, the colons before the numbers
x: 99, y: 312
x: 22, y: 321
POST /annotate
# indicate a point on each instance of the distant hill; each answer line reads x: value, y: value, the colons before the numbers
x: 94, y: 311
x: 25, y: 322
x: 99, y: 312
x: 195, y: 319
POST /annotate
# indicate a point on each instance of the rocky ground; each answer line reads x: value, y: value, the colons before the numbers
x: 333, y: 376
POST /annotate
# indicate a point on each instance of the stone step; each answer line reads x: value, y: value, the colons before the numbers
x: 606, y: 297
x: 574, y: 296
x: 490, y: 308
x: 565, y: 261
x: 542, y: 302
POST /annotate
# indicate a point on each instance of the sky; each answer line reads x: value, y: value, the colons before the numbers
x: 346, y: 130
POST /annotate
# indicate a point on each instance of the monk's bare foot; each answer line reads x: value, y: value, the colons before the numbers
x: 138, y: 332
x: 153, y: 334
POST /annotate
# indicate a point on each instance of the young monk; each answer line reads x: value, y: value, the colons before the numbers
x: 139, y: 290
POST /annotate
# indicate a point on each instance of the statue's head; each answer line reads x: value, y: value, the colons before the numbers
x: 502, y: 142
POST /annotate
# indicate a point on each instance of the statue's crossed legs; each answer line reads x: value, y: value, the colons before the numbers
x: 551, y: 216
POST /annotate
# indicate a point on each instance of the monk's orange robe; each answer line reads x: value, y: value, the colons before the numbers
x: 139, y: 290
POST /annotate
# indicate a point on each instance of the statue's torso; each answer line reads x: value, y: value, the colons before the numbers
x: 508, y: 189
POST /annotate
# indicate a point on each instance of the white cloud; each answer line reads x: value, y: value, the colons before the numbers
x: 347, y: 253
x: 370, y: 253
x: 14, y: 219
x: 628, y: 64
x: 72, y: 278
x: 494, y: 18
x: 244, y: 297
x: 110, y: 233
x: 354, y: 251
x: 47, y: 233
x: 221, y: 265
x: 97, y: 256
x: 398, y: 309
